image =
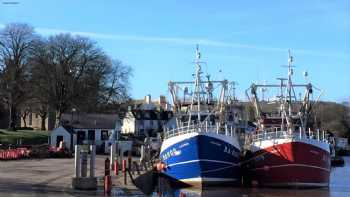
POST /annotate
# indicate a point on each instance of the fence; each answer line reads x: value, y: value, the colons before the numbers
x: 316, y: 135
x: 205, y: 128
x: 13, y: 154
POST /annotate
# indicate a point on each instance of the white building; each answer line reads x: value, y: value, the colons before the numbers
x: 147, y: 118
x: 145, y: 122
x: 86, y: 129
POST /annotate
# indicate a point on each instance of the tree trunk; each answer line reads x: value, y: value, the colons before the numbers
x: 58, y: 118
x: 12, y: 120
x: 43, y: 121
x: 24, y: 120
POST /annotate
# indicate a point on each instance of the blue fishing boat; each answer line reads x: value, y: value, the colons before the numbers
x: 202, y: 148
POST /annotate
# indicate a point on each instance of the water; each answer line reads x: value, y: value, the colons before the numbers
x: 339, y: 187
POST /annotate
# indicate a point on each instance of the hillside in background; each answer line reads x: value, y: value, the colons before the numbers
x: 328, y: 116
x: 334, y: 117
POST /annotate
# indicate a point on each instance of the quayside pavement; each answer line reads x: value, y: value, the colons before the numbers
x: 52, y: 177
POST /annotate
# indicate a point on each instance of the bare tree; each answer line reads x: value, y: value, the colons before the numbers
x: 15, y: 44
x: 71, y: 71
x: 42, y: 110
x: 116, y: 83
x: 25, y: 109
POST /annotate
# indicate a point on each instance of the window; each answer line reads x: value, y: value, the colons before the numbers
x: 104, y: 135
x: 91, y: 135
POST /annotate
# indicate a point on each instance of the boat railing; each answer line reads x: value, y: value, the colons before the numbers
x: 199, y: 128
x: 284, y: 134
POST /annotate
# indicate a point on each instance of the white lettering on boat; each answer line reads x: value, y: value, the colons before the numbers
x: 170, y: 153
x: 230, y: 151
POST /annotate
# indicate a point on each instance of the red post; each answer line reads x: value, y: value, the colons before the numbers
x: 107, y: 169
x: 116, y: 168
x: 124, y: 165
x: 107, y: 184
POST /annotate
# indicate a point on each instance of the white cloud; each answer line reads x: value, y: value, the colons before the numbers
x: 186, y: 41
x: 189, y: 41
x: 168, y: 40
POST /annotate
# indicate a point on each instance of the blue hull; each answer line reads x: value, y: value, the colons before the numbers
x: 202, y: 159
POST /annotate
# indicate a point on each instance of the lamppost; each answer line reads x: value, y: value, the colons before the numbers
x: 73, y: 110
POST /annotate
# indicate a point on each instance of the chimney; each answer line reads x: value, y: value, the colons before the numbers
x: 162, y: 99
x: 162, y: 102
x: 148, y: 99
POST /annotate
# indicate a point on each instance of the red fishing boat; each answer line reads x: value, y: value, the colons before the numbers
x: 286, y: 150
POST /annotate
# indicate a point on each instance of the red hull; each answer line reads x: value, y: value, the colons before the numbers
x: 291, y: 164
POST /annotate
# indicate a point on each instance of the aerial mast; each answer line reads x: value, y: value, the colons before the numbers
x: 289, y: 89
x: 197, y: 89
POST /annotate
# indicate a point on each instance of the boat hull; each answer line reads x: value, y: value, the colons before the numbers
x: 291, y: 164
x: 201, y: 159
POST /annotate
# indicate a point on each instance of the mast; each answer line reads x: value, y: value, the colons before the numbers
x: 198, y: 82
x: 289, y: 87
x: 286, y: 98
x: 282, y: 103
x: 197, y: 89
x: 200, y: 101
x: 289, y: 91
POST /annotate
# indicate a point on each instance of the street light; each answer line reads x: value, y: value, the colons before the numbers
x: 73, y: 110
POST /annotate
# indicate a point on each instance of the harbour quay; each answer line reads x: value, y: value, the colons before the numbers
x: 53, y: 177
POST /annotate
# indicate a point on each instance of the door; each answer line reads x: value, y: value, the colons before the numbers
x: 91, y: 136
x: 80, y: 137
x: 59, y: 139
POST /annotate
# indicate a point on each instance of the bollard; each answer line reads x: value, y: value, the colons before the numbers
x: 84, y: 164
x: 124, y: 165
x: 116, y: 168
x: 112, y: 155
x: 107, y: 170
x: 124, y: 171
x: 107, y: 184
x: 92, y: 160
x: 129, y: 159
x: 77, y: 161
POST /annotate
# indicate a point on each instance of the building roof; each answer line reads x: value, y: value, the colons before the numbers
x: 151, y: 114
x: 89, y: 121
x: 145, y: 114
x: 69, y: 129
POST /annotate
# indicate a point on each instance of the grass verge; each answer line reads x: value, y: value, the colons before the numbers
x: 27, y: 137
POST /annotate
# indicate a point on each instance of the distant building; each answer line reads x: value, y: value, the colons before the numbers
x: 148, y: 104
x: 86, y: 129
x: 34, y: 121
x: 147, y: 117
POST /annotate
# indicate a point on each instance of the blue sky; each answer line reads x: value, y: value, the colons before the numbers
x: 247, y: 40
